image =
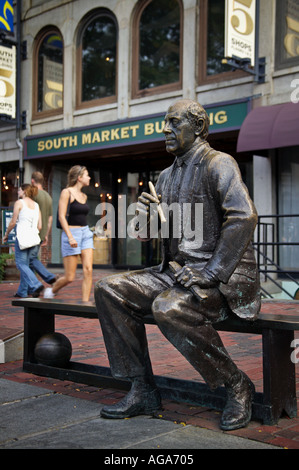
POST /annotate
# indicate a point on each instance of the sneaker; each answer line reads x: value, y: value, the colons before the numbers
x: 48, y: 294
x: 38, y: 291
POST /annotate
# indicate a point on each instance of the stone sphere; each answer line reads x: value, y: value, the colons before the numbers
x: 53, y: 349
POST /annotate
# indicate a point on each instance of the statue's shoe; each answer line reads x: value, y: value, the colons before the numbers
x: 139, y: 401
x: 238, y: 408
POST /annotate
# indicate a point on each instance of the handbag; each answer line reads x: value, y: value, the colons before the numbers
x: 27, y: 239
x: 28, y: 236
x: 58, y: 224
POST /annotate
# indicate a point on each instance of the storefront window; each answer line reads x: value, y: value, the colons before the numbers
x: 211, y: 42
x: 98, y: 192
x: 50, y: 73
x: 97, y: 53
x: 111, y: 196
x: 9, y: 184
x: 157, y: 57
x: 215, y: 37
x: 101, y: 200
x: 132, y: 252
x: 287, y: 33
x: 288, y: 207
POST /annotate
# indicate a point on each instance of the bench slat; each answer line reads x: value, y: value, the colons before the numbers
x: 266, y: 318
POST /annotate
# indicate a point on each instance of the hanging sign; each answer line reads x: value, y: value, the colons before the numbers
x: 240, y: 29
x: 6, y: 218
x: 8, y: 81
x: 6, y: 15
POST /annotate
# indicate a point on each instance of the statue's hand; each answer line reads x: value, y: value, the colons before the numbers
x: 189, y: 276
x: 140, y: 225
x: 144, y: 202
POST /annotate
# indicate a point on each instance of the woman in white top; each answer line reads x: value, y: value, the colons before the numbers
x: 27, y: 218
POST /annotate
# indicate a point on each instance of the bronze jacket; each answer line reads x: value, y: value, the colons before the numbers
x: 228, y: 222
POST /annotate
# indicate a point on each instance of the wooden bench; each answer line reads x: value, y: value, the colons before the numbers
x: 277, y: 323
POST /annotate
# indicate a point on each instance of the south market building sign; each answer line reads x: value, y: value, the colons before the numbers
x: 224, y: 117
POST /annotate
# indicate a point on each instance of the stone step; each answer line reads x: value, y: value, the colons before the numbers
x: 11, y: 344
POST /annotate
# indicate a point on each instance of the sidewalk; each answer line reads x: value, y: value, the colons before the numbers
x: 178, y: 425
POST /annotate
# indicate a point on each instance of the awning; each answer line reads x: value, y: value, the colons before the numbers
x: 270, y: 127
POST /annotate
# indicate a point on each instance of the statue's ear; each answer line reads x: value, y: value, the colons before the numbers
x: 200, y: 127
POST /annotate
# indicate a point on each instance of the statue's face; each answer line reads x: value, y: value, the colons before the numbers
x: 179, y: 134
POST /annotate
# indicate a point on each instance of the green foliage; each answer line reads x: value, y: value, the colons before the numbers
x: 3, y: 258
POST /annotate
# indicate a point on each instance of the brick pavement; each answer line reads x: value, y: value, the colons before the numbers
x: 88, y: 346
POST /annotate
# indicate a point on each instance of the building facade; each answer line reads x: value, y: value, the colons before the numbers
x: 97, y: 77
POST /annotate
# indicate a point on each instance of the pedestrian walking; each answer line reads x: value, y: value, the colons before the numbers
x: 27, y: 218
x: 76, y: 237
x: 44, y: 201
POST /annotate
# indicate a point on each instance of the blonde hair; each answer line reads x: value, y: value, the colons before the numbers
x: 74, y: 174
x: 29, y: 190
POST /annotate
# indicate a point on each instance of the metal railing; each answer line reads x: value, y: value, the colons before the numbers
x: 274, y: 242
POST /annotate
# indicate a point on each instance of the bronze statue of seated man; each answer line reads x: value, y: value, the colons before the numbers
x: 220, y: 263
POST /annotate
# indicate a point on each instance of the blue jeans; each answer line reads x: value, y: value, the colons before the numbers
x: 28, y: 280
x: 36, y: 265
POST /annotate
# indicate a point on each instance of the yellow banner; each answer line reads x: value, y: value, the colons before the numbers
x: 8, y: 81
x: 240, y: 29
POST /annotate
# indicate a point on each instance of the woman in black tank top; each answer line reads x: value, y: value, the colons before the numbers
x: 76, y: 237
x: 78, y: 213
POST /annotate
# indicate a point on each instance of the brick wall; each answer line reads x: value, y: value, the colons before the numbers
x: 45, y: 253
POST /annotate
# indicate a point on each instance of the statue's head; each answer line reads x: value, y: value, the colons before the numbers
x: 186, y: 121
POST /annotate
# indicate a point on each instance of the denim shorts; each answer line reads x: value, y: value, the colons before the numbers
x: 84, y: 238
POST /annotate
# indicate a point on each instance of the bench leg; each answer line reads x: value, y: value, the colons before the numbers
x: 36, y: 324
x: 279, y: 375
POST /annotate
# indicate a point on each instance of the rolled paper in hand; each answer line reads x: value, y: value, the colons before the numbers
x: 160, y: 210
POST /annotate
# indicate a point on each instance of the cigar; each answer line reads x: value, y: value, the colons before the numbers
x: 160, y: 210
x: 196, y: 290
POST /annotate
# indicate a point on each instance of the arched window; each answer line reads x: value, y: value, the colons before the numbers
x: 287, y: 34
x: 96, y: 59
x: 157, y: 37
x: 211, y: 43
x: 48, y: 73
